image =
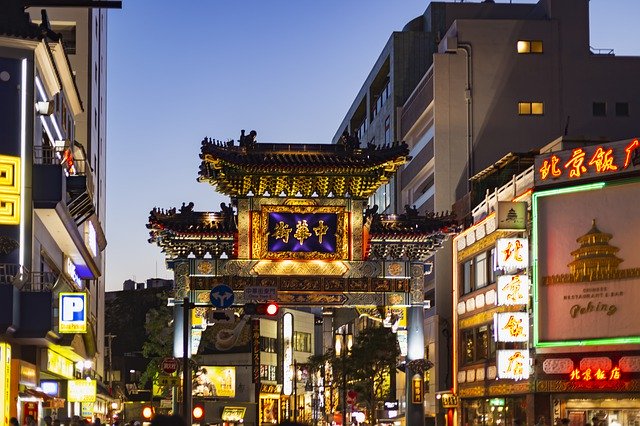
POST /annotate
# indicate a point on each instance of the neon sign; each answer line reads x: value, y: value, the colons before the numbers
x: 594, y: 374
x: 588, y: 161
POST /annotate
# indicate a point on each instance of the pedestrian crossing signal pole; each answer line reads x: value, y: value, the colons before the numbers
x: 186, y: 366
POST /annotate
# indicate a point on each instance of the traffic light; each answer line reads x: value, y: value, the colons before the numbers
x: 269, y: 309
x: 198, y: 412
x: 147, y: 412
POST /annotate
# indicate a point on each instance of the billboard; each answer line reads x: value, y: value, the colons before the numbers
x: 81, y: 390
x: 214, y: 381
x: 586, y: 265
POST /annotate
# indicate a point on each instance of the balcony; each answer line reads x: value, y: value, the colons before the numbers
x: 63, y: 201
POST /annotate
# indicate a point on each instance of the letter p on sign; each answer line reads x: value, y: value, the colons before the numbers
x: 73, y: 315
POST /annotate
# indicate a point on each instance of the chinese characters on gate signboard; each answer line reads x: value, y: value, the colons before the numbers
x: 587, y: 162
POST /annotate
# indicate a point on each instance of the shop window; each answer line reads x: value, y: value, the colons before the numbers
x: 268, y: 344
x: 301, y: 341
x: 478, y: 344
x: 622, y: 109
x: 530, y: 108
x: 599, y: 109
x: 529, y: 46
x: 478, y: 272
x: 387, y: 130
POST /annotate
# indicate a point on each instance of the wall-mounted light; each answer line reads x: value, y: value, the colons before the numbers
x: 45, y: 107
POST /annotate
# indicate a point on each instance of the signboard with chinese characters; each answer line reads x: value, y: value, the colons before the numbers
x: 512, y: 253
x: 300, y: 232
x: 512, y: 364
x: 81, y: 390
x: 594, y: 374
x: 511, y: 326
x: 5, y: 381
x: 513, y: 290
x: 587, y: 265
x: 73, y: 313
x: 595, y: 162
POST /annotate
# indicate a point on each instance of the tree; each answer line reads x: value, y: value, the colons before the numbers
x: 367, y: 368
x: 159, y: 339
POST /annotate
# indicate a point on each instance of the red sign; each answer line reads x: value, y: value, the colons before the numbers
x: 169, y: 365
x: 587, y: 162
x: 29, y: 408
x: 594, y: 374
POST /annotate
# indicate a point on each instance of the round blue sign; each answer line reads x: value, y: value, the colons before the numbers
x: 221, y: 296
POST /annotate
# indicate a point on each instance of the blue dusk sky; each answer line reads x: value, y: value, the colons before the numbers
x: 290, y: 69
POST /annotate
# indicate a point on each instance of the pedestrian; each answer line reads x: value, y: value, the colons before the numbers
x: 541, y: 421
x: 30, y: 421
x: 48, y: 421
x: 164, y: 420
x: 13, y: 422
x: 56, y: 422
x: 96, y: 422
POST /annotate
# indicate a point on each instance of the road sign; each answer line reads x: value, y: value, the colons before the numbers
x: 224, y: 316
x: 169, y: 365
x: 164, y: 380
x: 221, y: 296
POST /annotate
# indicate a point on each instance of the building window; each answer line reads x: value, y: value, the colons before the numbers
x: 478, y: 272
x: 268, y: 372
x: 301, y: 341
x: 622, y: 109
x: 380, y: 100
x: 478, y: 344
x: 362, y: 128
x: 387, y: 130
x: 599, y: 109
x: 268, y: 344
x: 530, y: 108
x: 529, y: 46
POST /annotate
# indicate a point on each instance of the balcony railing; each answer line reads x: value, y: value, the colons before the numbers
x: 24, y: 280
x: 79, y: 177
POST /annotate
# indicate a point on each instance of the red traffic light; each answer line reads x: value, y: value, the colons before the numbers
x: 198, y: 412
x: 269, y: 309
x: 147, y: 412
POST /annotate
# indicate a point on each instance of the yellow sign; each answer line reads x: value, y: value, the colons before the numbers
x: 416, y: 389
x: 166, y: 380
x: 214, y: 381
x: 5, y: 381
x: 10, y: 188
x: 57, y: 364
x: 81, y: 390
x: 449, y: 400
x: 233, y: 414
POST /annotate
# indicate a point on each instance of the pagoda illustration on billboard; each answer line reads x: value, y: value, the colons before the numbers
x: 594, y: 260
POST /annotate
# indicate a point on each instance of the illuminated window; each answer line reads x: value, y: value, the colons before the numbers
x: 478, y: 272
x: 301, y: 341
x: 529, y: 46
x: 530, y: 108
x: 478, y: 344
x: 599, y: 109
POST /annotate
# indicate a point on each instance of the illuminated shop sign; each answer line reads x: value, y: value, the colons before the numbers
x: 512, y: 253
x: 81, y: 390
x: 73, y: 313
x: 513, y: 290
x: 72, y: 272
x: 57, y: 364
x: 586, y: 275
x: 5, y: 380
x: 50, y: 387
x: 449, y: 400
x: 297, y: 232
x: 27, y: 375
x: 416, y: 389
x: 511, y: 326
x: 287, y: 334
x: 511, y: 215
x: 10, y: 189
x: 594, y: 374
x: 587, y: 162
x: 92, y: 239
x: 233, y: 414
x: 512, y: 364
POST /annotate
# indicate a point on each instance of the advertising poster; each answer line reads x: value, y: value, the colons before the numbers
x: 269, y: 409
x: 588, y: 274
x: 214, y: 381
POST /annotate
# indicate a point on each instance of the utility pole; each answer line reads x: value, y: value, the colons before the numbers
x: 110, y: 338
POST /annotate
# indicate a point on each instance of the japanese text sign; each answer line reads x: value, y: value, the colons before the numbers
x: 513, y: 290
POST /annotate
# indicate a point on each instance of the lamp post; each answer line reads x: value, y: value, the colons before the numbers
x: 343, y: 343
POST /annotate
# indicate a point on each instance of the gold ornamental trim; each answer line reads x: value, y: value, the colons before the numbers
x: 300, y: 267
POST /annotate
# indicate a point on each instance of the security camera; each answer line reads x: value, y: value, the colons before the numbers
x: 45, y: 107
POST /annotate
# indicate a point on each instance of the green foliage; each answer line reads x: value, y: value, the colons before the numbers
x: 159, y: 339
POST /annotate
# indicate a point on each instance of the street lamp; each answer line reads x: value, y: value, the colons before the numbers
x: 343, y: 344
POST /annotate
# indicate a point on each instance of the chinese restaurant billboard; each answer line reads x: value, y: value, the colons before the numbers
x: 586, y: 265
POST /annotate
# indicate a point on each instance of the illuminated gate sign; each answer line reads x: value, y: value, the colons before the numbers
x: 73, y: 313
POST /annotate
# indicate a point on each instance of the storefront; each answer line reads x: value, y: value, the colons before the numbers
x: 270, y: 404
x: 588, y: 389
x: 55, y: 370
x: 494, y: 411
